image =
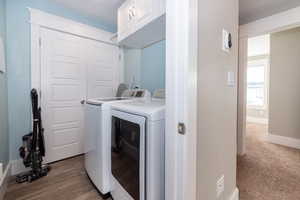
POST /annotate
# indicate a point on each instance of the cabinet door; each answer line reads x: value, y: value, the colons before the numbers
x: 125, y: 19
x: 143, y: 11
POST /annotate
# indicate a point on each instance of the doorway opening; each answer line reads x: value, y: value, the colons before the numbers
x: 257, y: 79
x: 270, y: 165
x: 258, y: 69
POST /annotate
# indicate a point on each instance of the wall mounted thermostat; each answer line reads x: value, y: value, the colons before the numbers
x: 227, y: 41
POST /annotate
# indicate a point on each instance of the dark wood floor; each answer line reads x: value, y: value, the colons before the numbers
x: 66, y: 181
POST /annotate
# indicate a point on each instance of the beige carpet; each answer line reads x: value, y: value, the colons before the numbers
x: 268, y: 171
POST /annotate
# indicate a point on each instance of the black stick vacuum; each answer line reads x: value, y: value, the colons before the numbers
x: 33, y: 148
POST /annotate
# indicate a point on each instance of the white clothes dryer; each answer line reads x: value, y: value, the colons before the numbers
x: 97, y: 124
x: 137, y: 153
x: 97, y: 138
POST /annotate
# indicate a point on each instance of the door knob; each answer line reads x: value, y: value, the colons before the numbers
x: 82, y: 102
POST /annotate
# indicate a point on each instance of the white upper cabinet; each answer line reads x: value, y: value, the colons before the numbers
x: 141, y: 22
x: 125, y: 18
x: 144, y: 10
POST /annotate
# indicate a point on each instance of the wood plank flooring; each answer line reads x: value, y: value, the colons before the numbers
x: 66, y: 181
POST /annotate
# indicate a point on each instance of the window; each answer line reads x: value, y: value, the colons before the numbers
x: 257, y: 82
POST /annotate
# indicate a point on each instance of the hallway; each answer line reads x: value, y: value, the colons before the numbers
x: 267, y: 171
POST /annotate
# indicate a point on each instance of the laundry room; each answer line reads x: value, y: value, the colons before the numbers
x: 119, y: 99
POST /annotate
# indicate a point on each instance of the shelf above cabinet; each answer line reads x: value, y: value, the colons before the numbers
x: 151, y: 33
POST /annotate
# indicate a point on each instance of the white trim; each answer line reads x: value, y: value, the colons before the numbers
x: 4, y: 181
x: 259, y: 57
x: 278, y: 22
x: 235, y: 195
x: 17, y: 167
x: 242, y: 95
x: 181, y: 99
x: 285, y: 141
x: 258, y: 120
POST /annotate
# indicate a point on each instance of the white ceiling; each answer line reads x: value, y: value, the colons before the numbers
x: 251, y: 10
x: 106, y: 10
x: 102, y: 10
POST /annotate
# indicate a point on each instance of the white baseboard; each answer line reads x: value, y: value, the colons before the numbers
x: 257, y: 120
x: 4, y: 181
x: 18, y: 167
x: 235, y: 195
x: 285, y: 141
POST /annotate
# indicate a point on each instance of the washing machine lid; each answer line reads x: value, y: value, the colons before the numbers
x: 153, y: 110
x: 100, y: 101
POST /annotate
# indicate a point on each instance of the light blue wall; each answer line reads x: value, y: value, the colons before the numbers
x: 18, y: 60
x: 132, y: 63
x: 153, y: 67
x: 149, y: 66
x: 4, y: 142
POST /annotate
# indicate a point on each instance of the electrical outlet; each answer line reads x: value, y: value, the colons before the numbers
x: 220, y: 186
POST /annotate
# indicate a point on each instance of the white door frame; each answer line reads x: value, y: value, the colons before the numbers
x: 40, y: 19
x: 278, y: 22
x: 181, y: 98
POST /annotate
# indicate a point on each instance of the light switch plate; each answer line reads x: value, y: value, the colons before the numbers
x: 230, y: 79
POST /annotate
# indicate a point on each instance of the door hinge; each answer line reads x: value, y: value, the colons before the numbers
x: 181, y: 128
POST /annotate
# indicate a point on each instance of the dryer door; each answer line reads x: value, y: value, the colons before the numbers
x: 129, y: 153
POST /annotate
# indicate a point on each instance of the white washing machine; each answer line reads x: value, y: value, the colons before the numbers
x: 97, y: 140
x: 137, y: 153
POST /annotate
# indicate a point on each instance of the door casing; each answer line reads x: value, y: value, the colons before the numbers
x: 181, y: 99
x: 279, y: 22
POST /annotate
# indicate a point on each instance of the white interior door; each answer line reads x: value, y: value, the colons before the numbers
x: 63, y: 85
x: 72, y: 70
x: 103, y: 73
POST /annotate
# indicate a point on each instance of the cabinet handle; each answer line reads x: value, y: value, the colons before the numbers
x: 130, y: 14
x: 133, y: 11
